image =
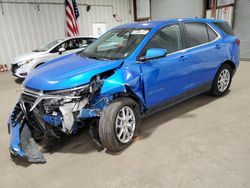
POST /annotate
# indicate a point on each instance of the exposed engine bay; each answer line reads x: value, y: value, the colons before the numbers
x: 40, y: 113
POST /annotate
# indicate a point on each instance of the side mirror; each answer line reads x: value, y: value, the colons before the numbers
x: 154, y: 53
x: 61, y: 50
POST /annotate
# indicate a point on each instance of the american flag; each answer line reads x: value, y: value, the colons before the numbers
x: 72, y: 14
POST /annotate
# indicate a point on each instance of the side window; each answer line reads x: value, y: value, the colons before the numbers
x: 168, y: 38
x: 71, y: 44
x: 82, y: 42
x: 197, y: 33
x: 211, y: 33
x: 56, y: 49
x: 91, y: 40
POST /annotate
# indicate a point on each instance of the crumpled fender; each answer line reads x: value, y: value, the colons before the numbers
x: 124, y: 79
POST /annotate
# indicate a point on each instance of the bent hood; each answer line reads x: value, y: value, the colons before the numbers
x: 67, y: 72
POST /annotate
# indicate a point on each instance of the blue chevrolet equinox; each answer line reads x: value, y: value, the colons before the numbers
x: 130, y: 72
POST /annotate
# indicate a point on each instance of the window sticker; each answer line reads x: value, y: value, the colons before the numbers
x: 139, y: 32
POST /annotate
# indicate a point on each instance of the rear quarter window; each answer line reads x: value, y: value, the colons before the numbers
x: 211, y: 33
x: 197, y: 33
x: 224, y: 26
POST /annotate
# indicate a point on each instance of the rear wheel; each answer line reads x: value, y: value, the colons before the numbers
x: 222, y: 80
x: 118, y: 123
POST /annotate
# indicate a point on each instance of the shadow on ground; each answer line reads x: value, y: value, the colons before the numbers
x: 19, y: 80
x: 180, y: 110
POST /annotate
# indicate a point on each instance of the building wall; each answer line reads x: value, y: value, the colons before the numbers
x: 241, y: 26
x: 162, y: 9
x: 23, y: 29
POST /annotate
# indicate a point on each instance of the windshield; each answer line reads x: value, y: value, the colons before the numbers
x: 115, y: 44
x: 48, y: 46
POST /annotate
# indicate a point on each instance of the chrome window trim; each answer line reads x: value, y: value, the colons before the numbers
x: 189, y: 48
x: 217, y: 38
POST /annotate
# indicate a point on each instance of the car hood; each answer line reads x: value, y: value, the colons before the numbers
x: 67, y: 72
x: 27, y: 56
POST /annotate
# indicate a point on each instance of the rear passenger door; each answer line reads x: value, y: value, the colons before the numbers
x: 204, y: 52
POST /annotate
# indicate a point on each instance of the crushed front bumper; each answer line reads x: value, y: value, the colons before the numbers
x: 22, y: 144
x: 49, y: 115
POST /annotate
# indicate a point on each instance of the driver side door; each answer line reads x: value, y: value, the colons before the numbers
x: 166, y: 78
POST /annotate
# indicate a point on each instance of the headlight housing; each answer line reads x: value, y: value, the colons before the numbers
x: 57, y: 98
x: 73, y: 92
x: 24, y: 62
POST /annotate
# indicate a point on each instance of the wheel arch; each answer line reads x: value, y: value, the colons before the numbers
x: 38, y: 64
x: 231, y: 64
x: 130, y: 94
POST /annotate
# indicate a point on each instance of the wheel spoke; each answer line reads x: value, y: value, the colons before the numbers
x: 223, y: 80
x: 120, y: 133
x: 127, y: 135
x: 120, y: 118
x: 118, y: 125
x: 125, y: 124
x: 129, y: 128
x: 124, y: 135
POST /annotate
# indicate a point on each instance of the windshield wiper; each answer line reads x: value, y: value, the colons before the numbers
x: 93, y: 57
x: 98, y: 58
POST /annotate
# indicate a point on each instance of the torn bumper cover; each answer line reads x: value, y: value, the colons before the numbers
x: 50, y: 114
x: 22, y: 144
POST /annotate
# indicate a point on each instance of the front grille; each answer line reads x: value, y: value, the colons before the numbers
x: 28, y: 99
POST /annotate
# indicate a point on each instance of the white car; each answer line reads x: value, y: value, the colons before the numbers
x: 24, y: 64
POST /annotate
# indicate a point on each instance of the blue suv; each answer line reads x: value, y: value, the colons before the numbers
x: 130, y: 72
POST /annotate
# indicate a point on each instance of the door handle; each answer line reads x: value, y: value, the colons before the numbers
x: 217, y: 46
x: 183, y: 58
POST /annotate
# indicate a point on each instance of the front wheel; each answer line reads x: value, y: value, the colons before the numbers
x: 222, y: 80
x: 118, y: 124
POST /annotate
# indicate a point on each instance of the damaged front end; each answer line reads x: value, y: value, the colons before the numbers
x: 40, y: 114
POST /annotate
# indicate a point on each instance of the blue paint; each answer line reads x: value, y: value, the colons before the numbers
x: 15, y: 143
x: 155, y: 53
x: 53, y: 120
x: 89, y: 113
x: 151, y: 81
x: 98, y: 104
x: 67, y: 72
x: 160, y: 23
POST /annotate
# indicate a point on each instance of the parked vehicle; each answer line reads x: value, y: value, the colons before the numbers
x: 130, y: 72
x: 24, y: 64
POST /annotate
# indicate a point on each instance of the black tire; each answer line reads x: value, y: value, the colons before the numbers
x: 107, y: 129
x: 215, y: 88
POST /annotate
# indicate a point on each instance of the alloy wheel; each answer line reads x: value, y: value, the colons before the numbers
x: 125, y: 124
x: 223, y: 80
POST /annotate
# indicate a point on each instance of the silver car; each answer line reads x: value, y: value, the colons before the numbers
x: 23, y: 65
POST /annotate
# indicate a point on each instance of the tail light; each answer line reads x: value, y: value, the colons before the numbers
x: 237, y: 41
